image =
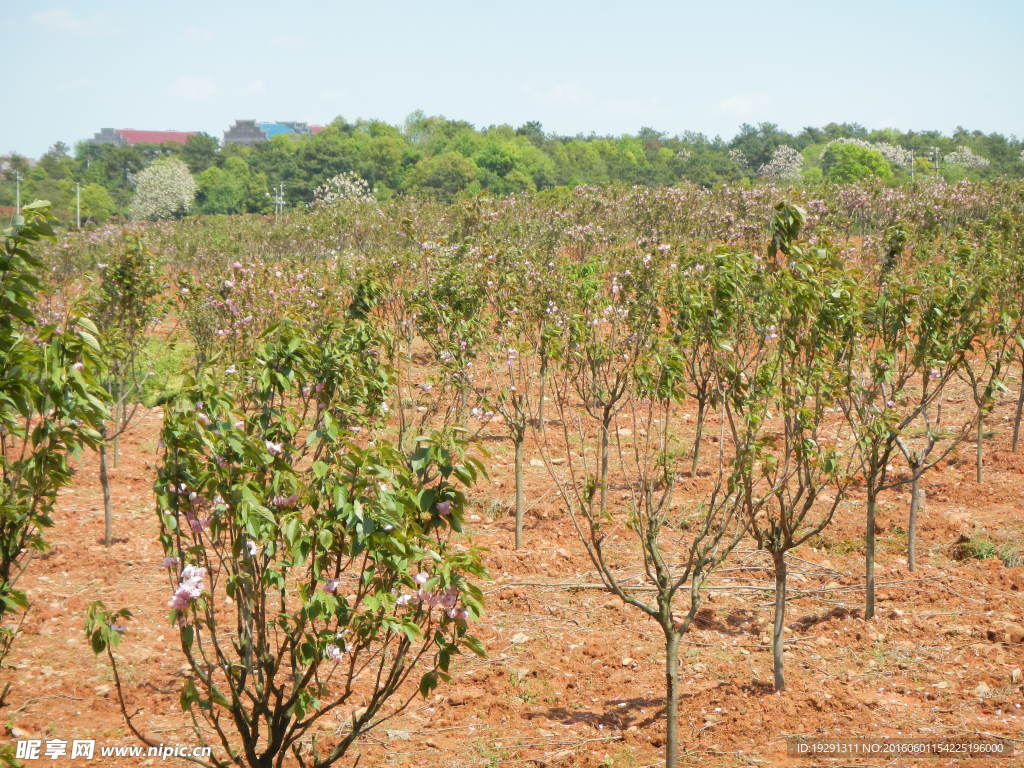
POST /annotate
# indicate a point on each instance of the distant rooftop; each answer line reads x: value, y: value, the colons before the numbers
x: 132, y: 136
x: 256, y: 131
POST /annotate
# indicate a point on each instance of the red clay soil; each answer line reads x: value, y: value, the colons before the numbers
x: 573, y: 677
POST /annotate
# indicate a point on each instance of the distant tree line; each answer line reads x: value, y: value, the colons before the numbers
x: 442, y: 158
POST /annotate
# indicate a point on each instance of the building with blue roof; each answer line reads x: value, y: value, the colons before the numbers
x: 251, y: 132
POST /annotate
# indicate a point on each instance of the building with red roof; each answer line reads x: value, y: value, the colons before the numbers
x: 130, y: 136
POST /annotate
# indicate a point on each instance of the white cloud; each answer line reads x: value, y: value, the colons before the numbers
x: 561, y: 94
x: 253, y: 87
x: 77, y: 84
x: 61, y: 20
x: 196, y: 34
x: 288, y: 41
x: 744, y: 103
x: 191, y: 88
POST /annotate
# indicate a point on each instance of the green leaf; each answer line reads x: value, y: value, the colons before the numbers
x: 428, y: 683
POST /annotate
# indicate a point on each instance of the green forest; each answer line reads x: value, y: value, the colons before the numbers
x: 446, y: 159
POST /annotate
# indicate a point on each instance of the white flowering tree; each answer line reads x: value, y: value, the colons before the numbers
x: 737, y: 156
x: 896, y: 156
x: 786, y: 165
x: 344, y: 188
x: 967, y: 158
x: 164, y: 190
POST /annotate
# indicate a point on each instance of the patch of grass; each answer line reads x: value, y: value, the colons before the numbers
x: 167, y: 360
x: 983, y: 548
x: 491, y: 753
x: 836, y: 546
x: 520, y: 690
x: 495, y: 510
x: 623, y: 758
x: 879, y: 656
x: 896, y: 541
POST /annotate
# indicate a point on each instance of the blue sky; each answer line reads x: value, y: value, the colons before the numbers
x: 603, y: 66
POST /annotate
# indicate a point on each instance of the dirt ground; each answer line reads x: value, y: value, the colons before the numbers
x: 573, y: 677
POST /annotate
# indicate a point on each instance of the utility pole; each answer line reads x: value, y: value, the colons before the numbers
x: 17, y: 193
x: 78, y: 205
x: 279, y: 199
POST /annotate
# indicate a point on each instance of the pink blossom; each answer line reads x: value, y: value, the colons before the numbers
x: 182, y: 599
x: 171, y: 562
x: 448, y: 598
x: 331, y: 586
x: 190, y: 588
x: 195, y: 524
x: 285, y: 502
x: 194, y: 575
x: 421, y: 578
x: 444, y: 508
x: 334, y: 653
x: 275, y: 449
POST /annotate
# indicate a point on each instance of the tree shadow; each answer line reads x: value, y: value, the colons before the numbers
x: 806, y: 622
x: 736, y: 622
x: 622, y: 714
x: 758, y: 688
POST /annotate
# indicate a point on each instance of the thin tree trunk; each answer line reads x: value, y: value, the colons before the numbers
x: 671, y: 698
x: 403, y: 422
x: 108, y: 512
x: 543, y: 389
x: 780, y: 620
x: 605, y: 422
x: 1017, y: 416
x: 869, y: 557
x: 519, y: 487
x: 463, y: 401
x: 400, y: 413
x: 696, y: 440
x: 408, y: 358
x: 915, y: 506
x: 117, y: 422
x: 978, y: 456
